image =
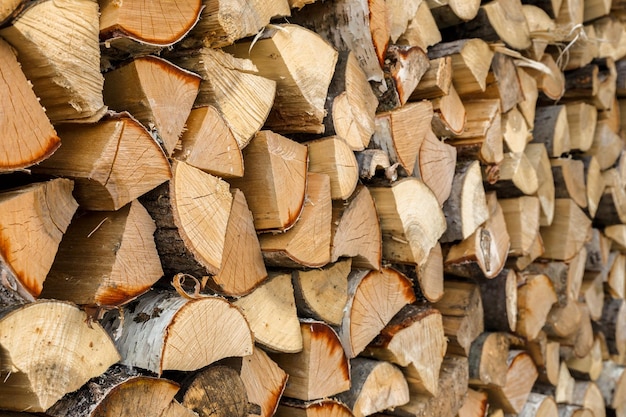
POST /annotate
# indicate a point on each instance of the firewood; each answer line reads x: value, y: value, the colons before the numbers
x: 482, y: 137
x: 33, y: 138
x: 322, y: 293
x: 112, y: 162
x: 502, y: 82
x: 606, y: 145
x: 568, y: 410
x: 462, y: 310
x: 551, y: 129
x: 162, y: 331
x: 430, y: 275
x: 612, y: 115
x: 581, y: 119
x: 350, y: 104
x: 158, y: 23
x: 321, y: 369
x: 242, y: 267
x: 422, y: 30
x: 471, y: 60
x: 520, y: 377
x: 400, y: 13
x: 550, y: 81
x: 615, y: 285
x: 375, y: 161
x: 570, y: 14
x: 105, y: 258
x: 598, y: 248
x: 45, y: 36
x: 271, y: 312
x: 10, y: 9
x: 437, y: 161
x: 546, y: 356
x: 595, y: 83
x: 355, y: 25
x: 220, y: 71
x: 482, y: 254
x: 612, y: 324
x: 319, y: 408
x: 374, y: 297
x: 569, y: 180
x: 474, y: 405
x: 539, y: 405
x: 517, y: 177
x: 610, y: 208
x: 588, y: 395
x: 562, y: 281
x: 436, y: 81
x: 592, y: 293
x: 466, y: 208
x: 62, y: 344
x: 582, y: 52
x: 594, y: 184
x: 274, y: 180
x: 522, y: 222
x: 581, y: 342
x: 356, y: 231
x: 535, y: 296
x: 563, y: 320
x: 515, y: 131
x: 120, y: 391
x: 449, y: 114
x: 538, y: 157
x: 264, y: 381
x: 176, y: 409
x: 376, y: 386
x: 218, y: 26
x: 401, y: 132
x: 488, y: 360
x: 414, y: 340
x: 535, y: 250
x: 501, y: 313
x: 541, y: 27
x: 452, y: 390
x: 564, y: 238
x: 612, y: 383
x: 562, y: 391
x: 34, y: 219
x: 188, y: 238
x: 527, y: 107
x: 155, y: 92
x: 589, y: 366
x: 333, y: 156
x: 617, y: 235
x: 452, y: 12
x: 301, y: 87
x: 551, y: 7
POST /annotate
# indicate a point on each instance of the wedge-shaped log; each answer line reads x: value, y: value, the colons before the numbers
x: 517, y: 177
x: 581, y: 119
x: 527, y: 107
x: 374, y: 297
x: 613, y: 325
x: 595, y: 83
x: 111, y: 162
x: 65, y: 77
x: 209, y: 144
x: 588, y: 395
x: 449, y: 114
x: 401, y: 132
x: 322, y: 293
x: 522, y: 222
x: 475, y: 404
x: 319, y: 408
x: 271, y: 311
x: 606, y: 145
x: 220, y: 71
x: 158, y: 23
x: 34, y: 219
x: 535, y: 297
x: 264, y: 381
x: 408, y: 234
x: 105, y: 258
x: 482, y: 137
x: 436, y: 81
x: 376, y: 386
x: 502, y: 81
x: 515, y: 131
x: 539, y: 405
x: 333, y: 156
x: 191, y: 212
x: 564, y: 238
x: 520, y: 377
x: 414, y: 340
x: 537, y: 155
x: 274, y: 180
x: 156, y: 92
x: 32, y: 137
x: 563, y: 390
x: 589, y: 366
x: 612, y: 384
x: 546, y: 355
x: 550, y: 81
x: 552, y: 129
x: 594, y: 184
x: 421, y: 30
x: 321, y: 369
x: 308, y: 242
x: 356, y: 230
x: 302, y: 64
x: 437, y: 162
x: 488, y: 359
x: 163, y: 331
x: 121, y: 391
x: 55, y: 341
x: 501, y: 313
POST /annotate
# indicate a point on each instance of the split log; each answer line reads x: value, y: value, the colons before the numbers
x: 376, y: 386
x: 436, y: 81
x: 565, y: 284
x: 539, y: 159
x: 612, y: 115
x: 569, y: 180
x: 539, y: 405
x: 612, y: 384
x: 551, y: 129
x: 374, y: 297
x: 188, y: 238
x: 611, y: 204
x: 567, y: 234
x: 535, y: 297
x: 111, y: 162
x: 570, y: 14
x: 588, y: 395
x: 598, y: 249
x: 274, y: 180
x: 155, y: 92
x: 407, y: 236
x: 332, y: 156
x: 162, y: 331
x: 401, y: 132
x: 521, y: 216
x: 502, y: 81
x: 516, y: 177
x: 595, y: 83
x: 534, y: 252
x: 594, y: 184
x: 105, y: 258
x: 568, y: 410
x: 45, y: 37
x: 527, y: 107
x: 120, y: 391
x: 500, y: 314
x: 520, y: 377
x: 563, y: 320
x: 581, y: 342
x: 33, y: 138
x: 581, y: 119
x: 321, y: 369
x: 400, y: 13
x: 319, y: 408
x: 437, y: 162
x: 596, y: 9
x: 208, y: 144
x: 302, y: 64
x: 413, y: 339
x: 220, y: 71
x: 308, y: 242
x: 592, y: 293
x: 356, y: 231
x: 322, y: 293
x: 449, y: 115
x: 429, y: 275
x: 589, y: 366
x: 264, y: 381
x: 422, y: 30
x: 546, y: 356
x: 176, y: 409
x: 488, y: 360
x: 550, y: 81
x: 615, y: 284
x: 34, y: 219
x: 475, y: 404
x: 515, y: 131
x: 373, y: 161
x: 606, y: 145
x: 562, y: 391
x: 612, y: 324
x: 63, y: 345
x: 271, y: 313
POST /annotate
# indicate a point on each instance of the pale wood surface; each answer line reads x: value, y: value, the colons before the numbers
x: 332, y: 156
x: 264, y: 381
x: 437, y: 161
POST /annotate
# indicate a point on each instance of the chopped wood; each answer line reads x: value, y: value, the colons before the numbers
x: 111, y: 162
x: 581, y: 342
x: 535, y: 250
x: 535, y: 296
x: 539, y: 405
x: 321, y: 369
x: 563, y: 390
x: 449, y: 115
x: 105, y: 258
x: 613, y: 325
x: 594, y: 184
x: 176, y: 409
x: 592, y: 293
x: 528, y: 84
x: 422, y: 30
x: 374, y: 297
x: 274, y: 180
x: 500, y: 314
x: 520, y: 377
x: 482, y: 137
x: 437, y: 162
x: 612, y: 384
x: 375, y: 161
x: 568, y: 410
x: 318, y: 408
x: 550, y: 7
x: 567, y: 234
x: 33, y: 137
x: 430, y: 275
x: 615, y: 285
x: 606, y: 145
x: 563, y: 320
x: 488, y: 360
x: 581, y: 119
x: 517, y: 177
x: 598, y: 248
x: 537, y: 155
x: 400, y: 14
x: 451, y: 12
x: 589, y: 366
x: 515, y: 131
x: 521, y: 216
x: 264, y: 381
x: 333, y: 156
x: 552, y: 129
x: 436, y: 81
x: 475, y: 404
x: 595, y: 83
x: 503, y: 82
x: 546, y: 355
x: 569, y: 180
x: 62, y: 344
x: 46, y: 36
x: 588, y: 395
x: 550, y: 81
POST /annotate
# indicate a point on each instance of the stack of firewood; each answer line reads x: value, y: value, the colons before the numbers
x: 313, y: 208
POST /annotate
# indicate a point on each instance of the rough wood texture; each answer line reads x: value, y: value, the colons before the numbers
x: 264, y: 381
x: 332, y: 156
x: 501, y: 313
x: 520, y: 377
x: 437, y: 161
x: 319, y: 408
x: 488, y: 360
x: 570, y: 221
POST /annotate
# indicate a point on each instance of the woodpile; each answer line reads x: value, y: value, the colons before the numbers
x: 313, y: 208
